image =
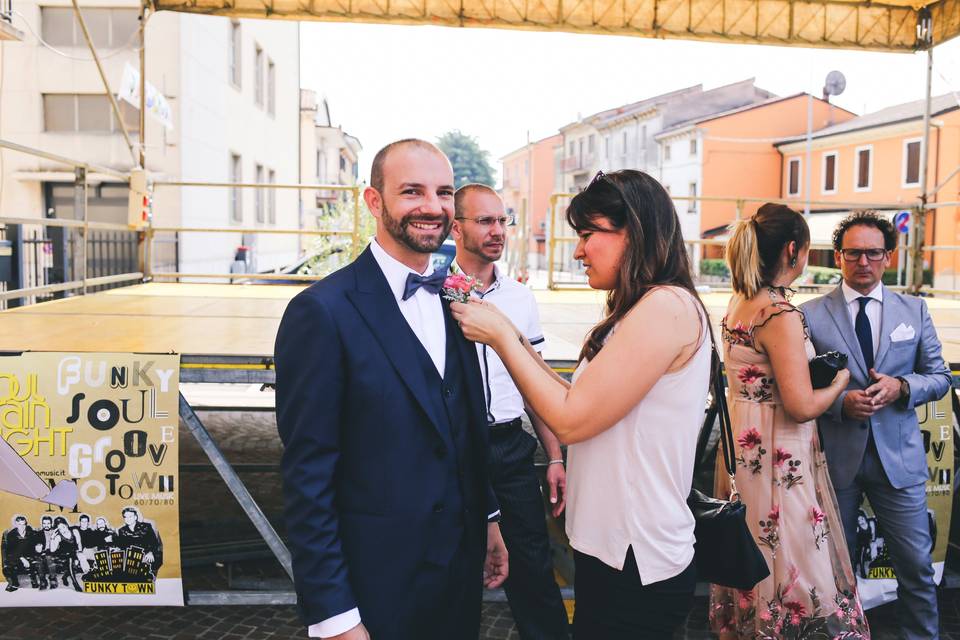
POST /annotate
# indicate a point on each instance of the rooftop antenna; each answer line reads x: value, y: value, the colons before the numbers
x: 834, y: 85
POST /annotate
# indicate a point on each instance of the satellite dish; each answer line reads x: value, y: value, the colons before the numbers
x: 835, y: 84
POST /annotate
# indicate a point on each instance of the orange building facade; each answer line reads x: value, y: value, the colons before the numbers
x: 740, y: 160
x: 875, y: 160
x: 528, y: 182
x: 732, y: 155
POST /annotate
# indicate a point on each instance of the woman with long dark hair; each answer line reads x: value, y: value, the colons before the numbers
x: 781, y: 473
x: 632, y: 413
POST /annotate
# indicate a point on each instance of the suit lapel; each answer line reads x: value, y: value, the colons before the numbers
x: 837, y: 306
x: 886, y: 325
x: 473, y: 381
x: 376, y: 304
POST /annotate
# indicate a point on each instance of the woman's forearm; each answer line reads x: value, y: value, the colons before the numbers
x: 815, y: 406
x: 543, y: 364
x: 540, y: 386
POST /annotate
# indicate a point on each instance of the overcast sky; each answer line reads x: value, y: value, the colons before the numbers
x: 388, y: 82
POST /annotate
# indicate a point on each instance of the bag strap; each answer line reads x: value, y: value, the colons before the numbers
x: 718, y: 409
x: 726, y: 428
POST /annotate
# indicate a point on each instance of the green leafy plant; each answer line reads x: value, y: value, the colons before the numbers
x: 823, y: 275
x: 890, y: 277
x: 329, y: 253
x: 714, y: 267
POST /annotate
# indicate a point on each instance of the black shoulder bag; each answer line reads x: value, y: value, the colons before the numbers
x: 725, y: 553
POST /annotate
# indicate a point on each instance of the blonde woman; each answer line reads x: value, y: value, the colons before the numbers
x: 781, y: 472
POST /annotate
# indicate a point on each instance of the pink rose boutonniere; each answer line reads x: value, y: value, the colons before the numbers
x: 458, y: 287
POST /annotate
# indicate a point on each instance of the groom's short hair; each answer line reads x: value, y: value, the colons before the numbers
x: 376, y: 170
x: 866, y: 219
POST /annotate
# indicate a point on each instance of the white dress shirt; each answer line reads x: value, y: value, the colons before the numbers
x: 423, y: 311
x: 504, y: 402
x: 873, y: 310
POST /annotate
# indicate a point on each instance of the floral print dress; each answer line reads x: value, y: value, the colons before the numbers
x: 781, y: 474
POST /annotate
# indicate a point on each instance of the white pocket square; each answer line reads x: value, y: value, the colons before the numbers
x: 902, y: 332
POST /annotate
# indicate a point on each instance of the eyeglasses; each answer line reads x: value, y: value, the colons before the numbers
x: 488, y: 221
x: 873, y: 255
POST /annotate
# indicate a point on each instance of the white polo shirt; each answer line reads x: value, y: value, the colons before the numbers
x: 504, y: 402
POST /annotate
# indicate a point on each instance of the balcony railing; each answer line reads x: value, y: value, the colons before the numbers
x: 577, y: 162
x: 511, y: 182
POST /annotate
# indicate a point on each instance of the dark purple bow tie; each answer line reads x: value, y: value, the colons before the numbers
x: 432, y: 283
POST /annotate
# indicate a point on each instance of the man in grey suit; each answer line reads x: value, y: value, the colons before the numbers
x: 871, y: 436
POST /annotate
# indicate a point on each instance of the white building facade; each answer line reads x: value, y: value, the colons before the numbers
x: 329, y: 156
x: 233, y: 91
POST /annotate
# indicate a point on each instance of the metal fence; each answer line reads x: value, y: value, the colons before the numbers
x: 47, y: 257
x: 28, y: 256
x: 155, y: 235
x: 564, y: 273
x: 44, y: 258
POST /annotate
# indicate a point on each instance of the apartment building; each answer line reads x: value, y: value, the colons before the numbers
x: 624, y: 137
x: 232, y: 87
x: 528, y: 182
x: 875, y: 160
x: 328, y: 155
x: 730, y: 154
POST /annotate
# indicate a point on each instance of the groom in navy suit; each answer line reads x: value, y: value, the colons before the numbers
x: 390, y: 517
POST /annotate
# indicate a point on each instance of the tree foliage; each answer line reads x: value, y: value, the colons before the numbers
x: 470, y: 162
x: 329, y: 253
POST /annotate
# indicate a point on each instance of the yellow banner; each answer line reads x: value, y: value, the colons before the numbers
x: 877, y: 580
x: 89, y: 487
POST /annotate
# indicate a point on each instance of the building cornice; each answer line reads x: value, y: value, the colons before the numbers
x: 868, y: 134
x: 675, y: 134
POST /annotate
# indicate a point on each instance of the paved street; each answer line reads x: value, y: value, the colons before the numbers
x: 268, y: 623
x: 220, y: 549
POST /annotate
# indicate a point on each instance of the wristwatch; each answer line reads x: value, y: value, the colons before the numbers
x: 904, y: 390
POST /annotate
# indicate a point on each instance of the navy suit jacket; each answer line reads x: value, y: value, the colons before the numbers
x: 364, y: 464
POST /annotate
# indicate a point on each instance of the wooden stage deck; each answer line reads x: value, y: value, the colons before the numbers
x: 228, y: 320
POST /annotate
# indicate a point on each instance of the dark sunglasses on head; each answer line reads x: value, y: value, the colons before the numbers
x: 597, y: 178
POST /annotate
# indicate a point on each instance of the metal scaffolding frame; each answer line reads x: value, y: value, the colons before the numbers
x: 827, y: 23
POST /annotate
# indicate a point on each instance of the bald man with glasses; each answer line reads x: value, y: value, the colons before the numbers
x: 871, y: 435
x: 480, y: 231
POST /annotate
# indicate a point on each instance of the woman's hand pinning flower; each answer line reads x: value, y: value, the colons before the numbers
x: 482, y: 322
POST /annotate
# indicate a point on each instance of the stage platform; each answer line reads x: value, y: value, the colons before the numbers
x: 225, y: 333
x: 234, y: 325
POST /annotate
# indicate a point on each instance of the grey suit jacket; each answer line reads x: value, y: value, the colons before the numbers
x: 895, y: 427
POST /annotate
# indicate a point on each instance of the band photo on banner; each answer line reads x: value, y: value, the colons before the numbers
x: 88, y: 480
x: 876, y: 578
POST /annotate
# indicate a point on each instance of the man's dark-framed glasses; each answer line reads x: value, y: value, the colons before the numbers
x: 854, y: 255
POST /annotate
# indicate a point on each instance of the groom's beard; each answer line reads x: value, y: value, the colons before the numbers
x: 399, y: 230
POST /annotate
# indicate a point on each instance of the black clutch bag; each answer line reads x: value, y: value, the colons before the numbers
x: 824, y: 368
x: 725, y: 552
